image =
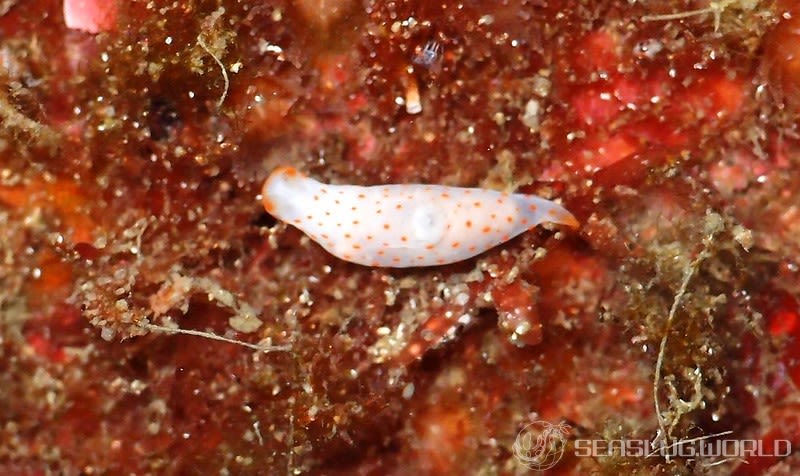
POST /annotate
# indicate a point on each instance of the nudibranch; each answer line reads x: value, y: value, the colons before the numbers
x: 402, y: 226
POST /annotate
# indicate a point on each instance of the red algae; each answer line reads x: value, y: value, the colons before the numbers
x: 517, y: 314
x: 130, y: 166
x: 782, y: 57
x: 92, y: 16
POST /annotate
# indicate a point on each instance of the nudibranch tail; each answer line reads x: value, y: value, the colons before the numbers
x: 568, y: 219
x: 538, y: 210
x: 402, y: 226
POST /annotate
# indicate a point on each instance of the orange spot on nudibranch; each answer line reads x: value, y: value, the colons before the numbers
x: 429, y: 247
x: 510, y: 219
x: 356, y: 246
x: 369, y: 237
x: 399, y: 206
x: 486, y: 229
x: 403, y: 238
x: 361, y: 195
x: 455, y: 244
x: 469, y: 224
x: 386, y: 226
x: 445, y: 195
x: 477, y: 204
x: 347, y: 235
x: 381, y: 252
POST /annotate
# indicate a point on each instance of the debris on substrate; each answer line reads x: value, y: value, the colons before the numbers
x: 134, y: 254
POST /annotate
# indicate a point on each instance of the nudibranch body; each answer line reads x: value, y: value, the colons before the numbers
x: 401, y: 226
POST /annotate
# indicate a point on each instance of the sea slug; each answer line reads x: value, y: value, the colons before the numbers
x: 401, y: 226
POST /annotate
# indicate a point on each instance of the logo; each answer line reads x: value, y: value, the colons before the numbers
x: 540, y: 445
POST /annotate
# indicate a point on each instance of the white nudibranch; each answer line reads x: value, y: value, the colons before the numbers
x: 401, y: 226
